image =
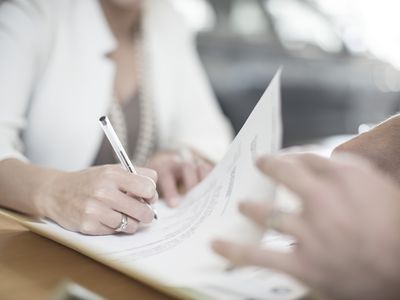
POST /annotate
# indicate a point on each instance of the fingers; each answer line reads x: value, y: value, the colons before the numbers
x: 257, y: 212
x: 288, y: 172
x: 129, y: 206
x: 107, y: 224
x: 140, y: 186
x: 353, y: 160
x: 266, y: 216
x: 242, y: 255
x: 100, y: 219
x: 203, y: 169
x: 112, y: 220
x: 194, y: 171
x: 328, y: 167
x: 190, y: 176
x: 149, y: 201
x: 89, y: 223
x: 148, y: 173
x: 315, y: 163
x: 178, y: 173
x: 324, y: 175
x: 95, y: 228
x: 189, y: 168
x: 154, y: 199
x: 168, y: 187
x: 104, y: 216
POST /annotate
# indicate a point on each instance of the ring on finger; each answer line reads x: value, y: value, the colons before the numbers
x: 123, y: 224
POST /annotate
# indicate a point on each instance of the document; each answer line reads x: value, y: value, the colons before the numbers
x: 174, y: 254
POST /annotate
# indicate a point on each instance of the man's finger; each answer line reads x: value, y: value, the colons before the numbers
x: 253, y: 255
x: 265, y: 215
x: 257, y: 211
x: 289, y: 173
x: 353, y: 160
x: 318, y: 164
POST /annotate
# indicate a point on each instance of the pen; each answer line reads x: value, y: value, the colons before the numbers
x: 120, y: 152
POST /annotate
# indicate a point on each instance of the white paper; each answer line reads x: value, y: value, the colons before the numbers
x: 175, y: 250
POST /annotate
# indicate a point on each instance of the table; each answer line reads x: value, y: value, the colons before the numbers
x: 31, y: 267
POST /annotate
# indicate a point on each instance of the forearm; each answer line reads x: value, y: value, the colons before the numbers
x: 22, y: 186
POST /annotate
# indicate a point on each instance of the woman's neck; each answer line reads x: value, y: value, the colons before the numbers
x: 123, y: 20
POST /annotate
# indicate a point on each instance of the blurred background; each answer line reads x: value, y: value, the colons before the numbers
x: 341, y: 60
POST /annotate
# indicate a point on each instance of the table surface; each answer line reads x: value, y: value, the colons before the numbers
x: 31, y: 267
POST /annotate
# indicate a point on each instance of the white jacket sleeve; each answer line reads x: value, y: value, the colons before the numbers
x: 22, y: 36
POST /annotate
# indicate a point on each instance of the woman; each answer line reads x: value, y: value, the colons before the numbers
x: 65, y: 63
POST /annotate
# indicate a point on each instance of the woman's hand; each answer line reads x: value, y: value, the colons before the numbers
x: 347, y: 233
x: 178, y: 173
x: 92, y: 201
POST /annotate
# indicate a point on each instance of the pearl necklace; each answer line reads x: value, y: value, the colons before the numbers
x: 147, y: 135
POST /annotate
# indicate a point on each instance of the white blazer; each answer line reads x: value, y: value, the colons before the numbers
x: 55, y: 82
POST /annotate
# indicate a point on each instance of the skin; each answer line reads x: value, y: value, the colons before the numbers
x: 89, y: 201
x: 380, y: 145
x: 123, y: 18
x: 92, y: 200
x: 348, y: 245
x: 176, y: 175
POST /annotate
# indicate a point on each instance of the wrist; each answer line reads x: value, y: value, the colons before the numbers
x: 45, y: 193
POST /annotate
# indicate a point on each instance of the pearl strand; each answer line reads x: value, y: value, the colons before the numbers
x: 147, y: 135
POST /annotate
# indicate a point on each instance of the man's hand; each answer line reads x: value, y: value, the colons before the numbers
x: 348, y: 244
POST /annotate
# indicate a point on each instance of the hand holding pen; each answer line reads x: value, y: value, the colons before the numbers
x: 125, y: 162
x: 94, y: 200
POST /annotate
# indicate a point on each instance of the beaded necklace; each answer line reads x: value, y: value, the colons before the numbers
x: 146, y: 142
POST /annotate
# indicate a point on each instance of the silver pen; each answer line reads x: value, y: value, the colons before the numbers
x: 120, y: 152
